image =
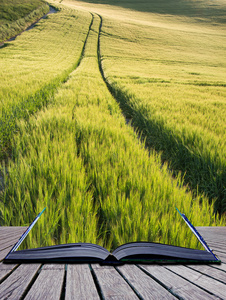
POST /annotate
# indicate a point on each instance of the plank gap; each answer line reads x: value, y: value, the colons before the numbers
x: 206, y: 274
x: 221, y: 267
x: 8, y: 274
x: 31, y: 283
x: 160, y: 283
x: 192, y: 282
x: 96, y: 282
x: 130, y: 284
x: 63, y: 291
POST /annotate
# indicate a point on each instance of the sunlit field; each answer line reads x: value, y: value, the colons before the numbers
x: 35, y: 64
x: 165, y: 64
x: 77, y: 155
x: 17, y: 15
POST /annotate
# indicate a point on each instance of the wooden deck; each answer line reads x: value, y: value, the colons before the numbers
x: 59, y: 281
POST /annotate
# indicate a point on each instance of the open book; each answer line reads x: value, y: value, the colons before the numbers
x: 137, y: 252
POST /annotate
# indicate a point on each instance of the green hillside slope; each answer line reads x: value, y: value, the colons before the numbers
x: 17, y: 15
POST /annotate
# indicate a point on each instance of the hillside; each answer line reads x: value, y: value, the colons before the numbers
x: 17, y: 15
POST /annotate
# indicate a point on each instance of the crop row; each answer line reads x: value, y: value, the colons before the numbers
x: 172, y: 89
x: 35, y: 65
x: 78, y: 158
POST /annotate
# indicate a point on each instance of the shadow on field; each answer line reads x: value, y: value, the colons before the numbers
x: 199, y: 8
x: 199, y: 172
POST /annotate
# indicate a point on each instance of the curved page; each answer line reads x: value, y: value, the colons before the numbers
x: 79, y: 252
x: 149, y: 252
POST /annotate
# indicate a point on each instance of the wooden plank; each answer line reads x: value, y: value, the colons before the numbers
x: 213, y: 235
x: 145, y: 286
x: 218, y: 247
x: 12, y: 229
x: 112, y: 285
x: 4, y: 252
x: 215, y: 238
x: 221, y: 229
x: 221, y: 256
x: 10, y: 235
x: 15, y: 286
x: 216, y: 242
x: 53, y: 267
x: 6, y: 269
x: 7, y: 266
x: 222, y: 267
x: 214, y: 232
x: 177, y: 285
x: 8, y: 231
x: 213, y: 286
x: 80, y: 283
x: 8, y: 242
x: 48, y: 284
x: 210, y: 271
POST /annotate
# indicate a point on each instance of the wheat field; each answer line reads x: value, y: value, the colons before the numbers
x: 103, y: 146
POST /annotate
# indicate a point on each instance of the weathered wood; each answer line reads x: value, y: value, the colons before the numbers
x: 48, y: 284
x: 216, y: 239
x: 217, y: 247
x: 210, y: 229
x: 80, y: 283
x: 7, y: 243
x: 222, y: 267
x: 177, y: 285
x: 210, y: 271
x: 221, y: 256
x: 213, y: 233
x: 9, y: 236
x: 112, y: 285
x: 4, y: 252
x: 5, y: 230
x: 53, y: 267
x: 145, y: 286
x: 123, y: 282
x: 13, y: 235
x: 216, y: 243
x: 209, y: 284
x: 5, y: 269
x: 12, y: 228
x: 17, y: 283
x: 7, y: 266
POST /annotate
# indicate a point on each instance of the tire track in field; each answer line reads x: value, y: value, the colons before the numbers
x: 197, y: 171
x: 84, y: 46
x: 4, y: 153
x: 127, y: 117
